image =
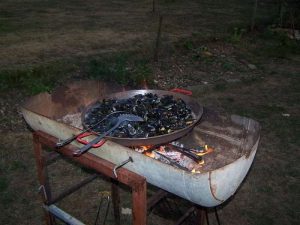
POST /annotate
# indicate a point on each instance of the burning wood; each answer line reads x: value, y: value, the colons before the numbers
x: 186, y: 159
x: 199, y: 150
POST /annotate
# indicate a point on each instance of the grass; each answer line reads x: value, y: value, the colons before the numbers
x: 249, y: 80
x: 220, y: 86
x: 7, y: 198
x: 18, y: 165
x: 236, y: 34
x: 228, y: 66
x: 267, y: 43
x: 278, y: 45
x: 275, y: 171
x: 121, y: 68
x: 6, y: 195
x: 35, y: 79
x: 266, y: 107
x: 3, y: 184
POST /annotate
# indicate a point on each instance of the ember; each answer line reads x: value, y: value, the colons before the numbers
x: 177, y: 155
x: 162, y: 115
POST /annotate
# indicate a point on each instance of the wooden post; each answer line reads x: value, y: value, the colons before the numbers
x: 42, y: 177
x: 157, y: 44
x: 280, y: 12
x: 292, y: 19
x: 254, y: 15
x: 116, y: 201
x: 200, y: 215
x: 139, y: 206
x: 137, y: 183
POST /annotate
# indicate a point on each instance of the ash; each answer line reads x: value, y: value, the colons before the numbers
x: 72, y: 120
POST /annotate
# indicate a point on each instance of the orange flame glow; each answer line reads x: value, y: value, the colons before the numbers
x: 201, y: 162
x: 145, y: 147
x: 150, y: 154
x: 195, y: 171
x: 207, y: 151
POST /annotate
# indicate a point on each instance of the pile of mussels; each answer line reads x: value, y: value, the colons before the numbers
x: 162, y: 115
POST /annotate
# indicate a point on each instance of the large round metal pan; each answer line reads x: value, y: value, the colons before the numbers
x: 197, y: 112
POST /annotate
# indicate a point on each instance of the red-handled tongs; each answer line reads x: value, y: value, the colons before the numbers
x: 120, y: 119
x: 182, y: 91
x: 84, y: 133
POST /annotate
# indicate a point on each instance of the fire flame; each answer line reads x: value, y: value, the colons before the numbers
x: 207, y: 150
x: 146, y: 150
x: 201, y: 162
x: 145, y: 147
x: 195, y: 171
x: 150, y: 154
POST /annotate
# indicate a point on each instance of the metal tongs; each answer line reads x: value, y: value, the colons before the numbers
x: 120, y: 119
x: 62, y: 143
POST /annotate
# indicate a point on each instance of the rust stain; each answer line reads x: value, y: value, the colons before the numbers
x: 213, y: 189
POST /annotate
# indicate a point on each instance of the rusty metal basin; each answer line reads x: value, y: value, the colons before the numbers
x: 234, y: 140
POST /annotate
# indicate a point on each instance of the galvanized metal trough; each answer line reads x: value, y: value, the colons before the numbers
x: 234, y: 139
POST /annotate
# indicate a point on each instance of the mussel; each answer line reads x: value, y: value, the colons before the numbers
x: 162, y: 115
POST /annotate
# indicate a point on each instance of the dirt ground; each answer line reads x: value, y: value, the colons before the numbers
x: 203, y: 48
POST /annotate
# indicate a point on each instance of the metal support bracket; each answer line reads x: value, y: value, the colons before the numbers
x: 121, y: 164
x: 42, y: 190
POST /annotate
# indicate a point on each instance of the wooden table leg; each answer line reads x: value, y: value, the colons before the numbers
x: 200, y: 215
x: 42, y: 177
x: 137, y: 183
x: 116, y: 201
x: 139, y: 206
